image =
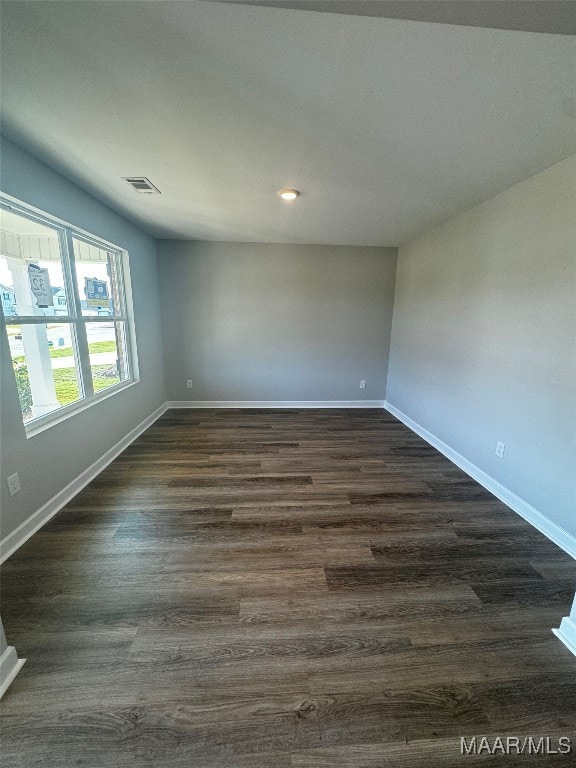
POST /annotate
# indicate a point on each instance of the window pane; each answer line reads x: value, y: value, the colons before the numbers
x: 31, y: 276
x: 99, y: 279
x: 108, y: 354
x: 45, y: 367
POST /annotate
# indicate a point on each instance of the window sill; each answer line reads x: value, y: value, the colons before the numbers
x: 36, y: 426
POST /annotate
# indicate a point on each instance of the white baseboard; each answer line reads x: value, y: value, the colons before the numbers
x: 300, y: 404
x: 555, y: 533
x: 28, y: 528
x: 567, y: 633
x: 10, y: 665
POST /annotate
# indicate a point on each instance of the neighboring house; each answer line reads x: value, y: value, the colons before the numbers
x: 60, y: 306
x: 8, y: 300
x: 8, y: 297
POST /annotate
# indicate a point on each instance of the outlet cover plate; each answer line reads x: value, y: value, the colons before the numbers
x: 13, y: 484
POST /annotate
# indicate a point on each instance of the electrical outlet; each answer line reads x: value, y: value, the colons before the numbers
x: 13, y: 484
x: 362, y: 383
x: 189, y: 383
x: 500, y: 450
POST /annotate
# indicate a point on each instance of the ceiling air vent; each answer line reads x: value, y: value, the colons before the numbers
x: 142, y: 184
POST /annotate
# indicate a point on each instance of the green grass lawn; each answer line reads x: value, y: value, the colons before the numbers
x: 94, y: 347
x: 67, y: 385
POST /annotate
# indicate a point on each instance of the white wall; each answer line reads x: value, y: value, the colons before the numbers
x: 50, y: 460
x: 483, y: 339
x: 255, y: 321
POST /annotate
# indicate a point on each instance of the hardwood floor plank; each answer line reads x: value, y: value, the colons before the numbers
x: 523, y: 591
x: 394, y: 602
x: 447, y: 571
x: 283, y: 589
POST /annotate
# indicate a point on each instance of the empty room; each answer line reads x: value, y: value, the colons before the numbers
x: 288, y: 383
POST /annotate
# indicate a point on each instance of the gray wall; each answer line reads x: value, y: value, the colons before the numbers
x: 250, y: 321
x: 50, y: 460
x: 483, y: 338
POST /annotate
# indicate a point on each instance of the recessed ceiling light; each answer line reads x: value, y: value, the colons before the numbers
x: 289, y: 194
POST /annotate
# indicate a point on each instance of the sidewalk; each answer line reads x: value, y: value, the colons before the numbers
x: 99, y: 358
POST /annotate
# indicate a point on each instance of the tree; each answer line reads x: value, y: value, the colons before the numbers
x: 23, y: 384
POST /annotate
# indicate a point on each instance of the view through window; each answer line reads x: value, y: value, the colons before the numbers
x: 64, y: 303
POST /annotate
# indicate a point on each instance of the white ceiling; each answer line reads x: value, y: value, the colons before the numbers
x: 387, y: 126
x: 557, y: 16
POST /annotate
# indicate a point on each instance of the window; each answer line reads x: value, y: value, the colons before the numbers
x: 64, y: 300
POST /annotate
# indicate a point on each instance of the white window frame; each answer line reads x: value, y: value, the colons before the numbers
x: 66, y: 234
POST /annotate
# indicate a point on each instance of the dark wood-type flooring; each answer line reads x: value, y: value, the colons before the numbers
x: 284, y: 589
